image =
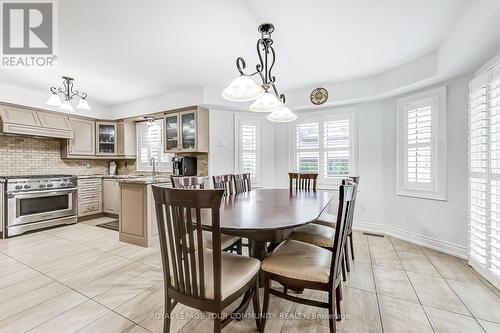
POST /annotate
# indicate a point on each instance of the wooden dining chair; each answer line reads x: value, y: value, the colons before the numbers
x: 229, y: 243
x: 200, y: 278
x: 225, y: 182
x: 188, y: 182
x: 298, y: 265
x: 303, y: 181
x: 242, y: 182
x: 329, y: 220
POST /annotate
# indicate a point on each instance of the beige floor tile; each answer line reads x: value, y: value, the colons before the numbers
x: 38, y: 314
x: 54, y: 255
x: 394, y: 283
x: 360, y: 311
x: 380, y: 242
x: 109, y: 323
x: 301, y: 325
x: 417, y: 263
x: 18, y: 277
x: 361, y: 249
x: 452, y: 269
x: 23, y: 287
x: 73, y: 319
x: 204, y: 326
x: 31, y: 298
x: 480, y: 300
x: 153, y: 260
x: 361, y: 276
x: 402, y: 316
x: 181, y: 316
x: 121, y: 294
x: 436, y: 253
x: 299, y: 311
x: 143, y: 305
x: 112, y: 280
x: 489, y: 327
x: 404, y: 246
x: 137, y: 329
x: 386, y: 258
x: 434, y: 291
x: 449, y: 322
x: 133, y: 252
x: 10, y: 266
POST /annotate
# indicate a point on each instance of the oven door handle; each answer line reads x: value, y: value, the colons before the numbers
x: 48, y: 193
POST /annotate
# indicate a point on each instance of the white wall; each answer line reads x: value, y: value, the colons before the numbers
x: 222, y: 149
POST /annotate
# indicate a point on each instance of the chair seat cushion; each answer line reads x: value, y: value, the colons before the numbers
x: 314, y: 234
x: 328, y: 220
x: 225, y: 240
x: 236, y: 272
x: 300, y: 261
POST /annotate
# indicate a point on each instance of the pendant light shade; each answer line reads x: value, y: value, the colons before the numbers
x: 83, y: 105
x: 283, y: 115
x: 66, y: 106
x: 242, y: 89
x: 266, y: 103
x: 54, y: 100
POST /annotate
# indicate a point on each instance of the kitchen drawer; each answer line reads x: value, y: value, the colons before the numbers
x: 90, y: 190
x: 89, y: 182
x: 89, y: 197
x: 90, y: 208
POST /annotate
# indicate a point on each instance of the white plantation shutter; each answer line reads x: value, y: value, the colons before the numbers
x: 248, y: 146
x: 150, y: 143
x: 421, y: 145
x: 325, y: 144
x: 484, y: 174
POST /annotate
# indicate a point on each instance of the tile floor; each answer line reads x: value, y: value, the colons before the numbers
x: 80, y: 278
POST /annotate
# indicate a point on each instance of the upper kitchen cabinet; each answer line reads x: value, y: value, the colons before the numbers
x: 106, y: 133
x: 186, y: 130
x: 126, y: 138
x: 83, y: 142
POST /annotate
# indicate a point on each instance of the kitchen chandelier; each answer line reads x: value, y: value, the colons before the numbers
x: 266, y: 96
x: 68, y: 94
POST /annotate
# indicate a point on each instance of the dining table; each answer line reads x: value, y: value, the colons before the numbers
x: 270, y: 215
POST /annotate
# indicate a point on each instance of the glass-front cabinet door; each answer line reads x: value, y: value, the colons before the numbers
x: 106, y: 138
x: 188, y: 130
x: 172, y: 132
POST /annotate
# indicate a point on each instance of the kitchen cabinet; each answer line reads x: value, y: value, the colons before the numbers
x: 111, y: 196
x: 106, y: 138
x: 186, y: 130
x: 89, y: 196
x: 126, y: 138
x: 83, y: 142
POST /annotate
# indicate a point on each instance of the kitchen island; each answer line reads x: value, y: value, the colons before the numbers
x: 137, y: 212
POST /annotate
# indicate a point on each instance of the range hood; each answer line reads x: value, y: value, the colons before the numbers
x: 24, y: 121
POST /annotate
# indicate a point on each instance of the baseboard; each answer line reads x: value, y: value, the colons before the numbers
x: 430, y: 242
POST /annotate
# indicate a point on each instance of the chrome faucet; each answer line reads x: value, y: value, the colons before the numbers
x: 153, y: 163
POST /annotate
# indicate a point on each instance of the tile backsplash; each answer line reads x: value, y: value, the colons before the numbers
x: 32, y: 156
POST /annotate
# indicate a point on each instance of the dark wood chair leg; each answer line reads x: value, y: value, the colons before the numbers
x: 346, y: 258
x: 265, y: 305
x: 239, y: 247
x: 168, y: 310
x: 331, y: 313
x: 352, y: 245
x: 344, y: 275
x: 285, y: 290
x: 218, y: 323
x: 338, y: 298
x: 256, y: 304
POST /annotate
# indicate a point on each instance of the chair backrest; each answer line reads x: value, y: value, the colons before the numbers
x: 179, y: 218
x: 225, y: 182
x: 303, y: 181
x: 242, y: 182
x: 346, y: 182
x: 347, y: 197
x: 192, y: 182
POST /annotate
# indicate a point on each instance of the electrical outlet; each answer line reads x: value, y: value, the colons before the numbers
x: 222, y: 143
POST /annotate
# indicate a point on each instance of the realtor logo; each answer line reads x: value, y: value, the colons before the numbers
x: 28, y: 31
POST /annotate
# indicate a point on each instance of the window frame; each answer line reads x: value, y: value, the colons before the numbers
x: 252, y: 119
x: 321, y: 117
x: 437, y: 189
x: 140, y: 166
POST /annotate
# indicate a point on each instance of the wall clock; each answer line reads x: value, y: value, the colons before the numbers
x: 319, y: 96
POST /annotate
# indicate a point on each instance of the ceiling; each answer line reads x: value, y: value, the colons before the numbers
x: 124, y: 50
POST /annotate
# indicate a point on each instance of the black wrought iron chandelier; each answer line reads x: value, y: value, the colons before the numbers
x: 68, y: 94
x: 266, y: 95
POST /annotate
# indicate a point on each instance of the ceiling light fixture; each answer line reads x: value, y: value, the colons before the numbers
x: 266, y: 96
x: 68, y: 94
x: 150, y: 120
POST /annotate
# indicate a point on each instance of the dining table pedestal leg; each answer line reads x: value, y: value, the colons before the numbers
x: 258, y: 250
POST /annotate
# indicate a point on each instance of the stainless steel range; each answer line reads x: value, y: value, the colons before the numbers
x: 35, y: 202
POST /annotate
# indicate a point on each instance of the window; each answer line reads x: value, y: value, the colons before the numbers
x: 484, y: 174
x: 325, y: 144
x: 248, y: 146
x: 150, y: 144
x: 421, y: 145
